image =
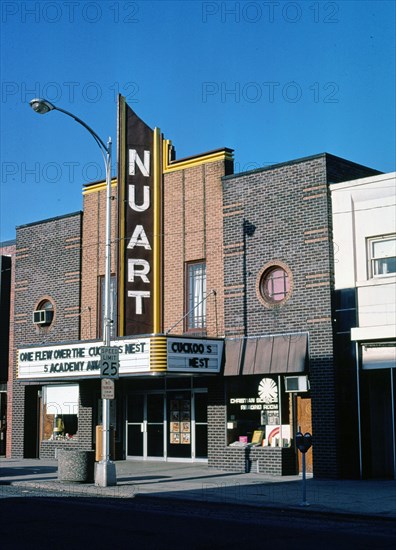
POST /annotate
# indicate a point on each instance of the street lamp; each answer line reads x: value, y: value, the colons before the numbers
x: 105, y: 471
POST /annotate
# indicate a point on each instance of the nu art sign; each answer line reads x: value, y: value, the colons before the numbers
x: 139, y: 215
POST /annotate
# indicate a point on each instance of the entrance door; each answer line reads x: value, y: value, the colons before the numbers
x: 135, y: 425
x: 180, y: 434
x: 180, y: 424
x: 145, y: 425
x: 304, y: 422
x: 154, y: 425
x: 378, y: 424
x: 200, y: 410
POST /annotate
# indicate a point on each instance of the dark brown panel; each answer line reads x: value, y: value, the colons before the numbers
x: 233, y: 356
x: 297, y: 353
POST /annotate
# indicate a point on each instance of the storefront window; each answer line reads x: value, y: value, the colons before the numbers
x: 60, y: 412
x: 257, y: 412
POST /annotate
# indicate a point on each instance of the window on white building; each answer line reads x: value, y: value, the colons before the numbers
x: 382, y: 255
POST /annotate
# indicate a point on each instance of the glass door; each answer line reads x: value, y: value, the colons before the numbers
x: 145, y: 425
x: 200, y: 418
x: 135, y: 425
x: 154, y: 424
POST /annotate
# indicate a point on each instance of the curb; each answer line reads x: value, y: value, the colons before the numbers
x: 126, y: 492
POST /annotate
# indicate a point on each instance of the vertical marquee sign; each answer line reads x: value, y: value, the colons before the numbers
x: 140, y: 182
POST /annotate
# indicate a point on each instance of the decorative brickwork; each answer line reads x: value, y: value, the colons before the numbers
x: 193, y: 230
x: 93, y: 256
x: 282, y: 213
x: 46, y: 253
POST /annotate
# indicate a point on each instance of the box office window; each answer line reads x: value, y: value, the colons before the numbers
x: 60, y: 412
x: 257, y: 411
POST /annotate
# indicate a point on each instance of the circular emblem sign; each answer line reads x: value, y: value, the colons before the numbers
x: 268, y: 390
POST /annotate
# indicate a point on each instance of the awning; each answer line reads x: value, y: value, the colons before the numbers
x: 378, y: 357
x: 279, y: 354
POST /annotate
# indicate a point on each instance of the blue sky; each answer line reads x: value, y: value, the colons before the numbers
x: 274, y: 81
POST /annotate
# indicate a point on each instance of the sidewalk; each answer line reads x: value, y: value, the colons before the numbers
x: 197, y: 482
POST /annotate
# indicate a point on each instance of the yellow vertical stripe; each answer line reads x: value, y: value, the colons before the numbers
x: 157, y: 305
x: 121, y: 206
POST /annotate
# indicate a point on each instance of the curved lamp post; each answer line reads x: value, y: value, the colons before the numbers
x: 105, y: 471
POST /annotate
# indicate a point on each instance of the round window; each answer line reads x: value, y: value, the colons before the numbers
x: 44, y: 313
x: 274, y: 284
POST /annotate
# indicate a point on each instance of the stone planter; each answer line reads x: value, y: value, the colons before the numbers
x: 76, y: 466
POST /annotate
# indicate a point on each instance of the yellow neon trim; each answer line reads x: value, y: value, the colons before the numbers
x: 157, y: 233
x: 98, y: 187
x: 158, y: 354
x: 190, y: 163
x: 121, y: 228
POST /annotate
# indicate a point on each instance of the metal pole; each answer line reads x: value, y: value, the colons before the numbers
x: 105, y: 471
x: 304, y: 482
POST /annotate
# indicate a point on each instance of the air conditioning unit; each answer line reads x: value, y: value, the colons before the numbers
x: 42, y: 316
x: 296, y: 384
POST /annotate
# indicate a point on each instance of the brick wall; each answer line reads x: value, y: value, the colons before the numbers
x: 93, y: 256
x: 282, y: 214
x: 48, y: 258
x: 193, y: 231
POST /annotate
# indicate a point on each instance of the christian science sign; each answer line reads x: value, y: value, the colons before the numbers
x: 137, y: 356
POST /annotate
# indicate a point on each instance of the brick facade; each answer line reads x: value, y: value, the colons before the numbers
x: 237, y: 224
x: 93, y: 255
x: 193, y: 231
x: 48, y: 266
x: 281, y: 214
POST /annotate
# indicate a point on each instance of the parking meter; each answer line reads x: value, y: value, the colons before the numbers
x: 303, y: 442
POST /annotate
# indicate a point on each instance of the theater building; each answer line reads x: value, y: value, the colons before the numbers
x: 222, y: 308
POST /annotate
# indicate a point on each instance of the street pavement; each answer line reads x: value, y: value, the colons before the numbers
x: 196, y: 482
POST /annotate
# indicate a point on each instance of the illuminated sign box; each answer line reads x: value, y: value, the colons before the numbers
x: 80, y: 359
x: 194, y: 355
x: 137, y: 356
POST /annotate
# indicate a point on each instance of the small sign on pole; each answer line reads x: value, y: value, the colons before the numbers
x: 107, y: 385
x: 109, y: 361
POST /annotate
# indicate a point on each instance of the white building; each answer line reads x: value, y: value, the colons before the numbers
x: 364, y: 235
